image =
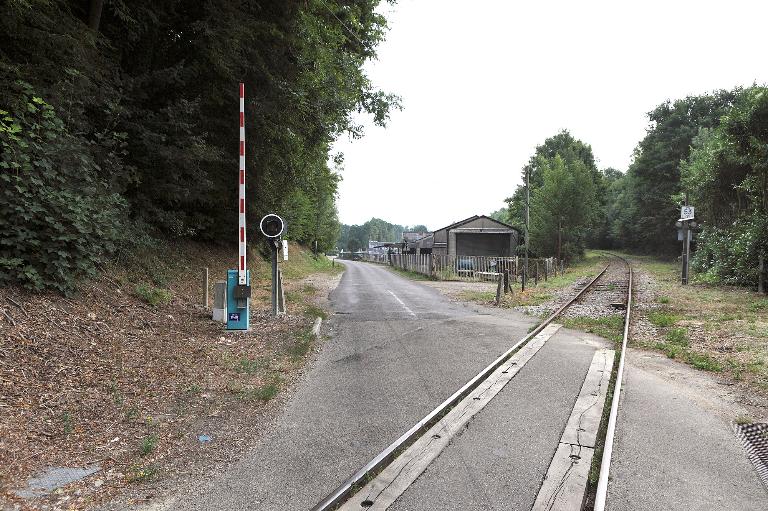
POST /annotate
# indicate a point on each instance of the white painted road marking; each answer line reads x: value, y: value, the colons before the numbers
x: 403, y: 304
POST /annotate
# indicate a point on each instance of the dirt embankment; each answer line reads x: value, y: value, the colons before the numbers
x: 132, y: 377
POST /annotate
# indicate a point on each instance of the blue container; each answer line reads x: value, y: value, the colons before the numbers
x: 238, y: 318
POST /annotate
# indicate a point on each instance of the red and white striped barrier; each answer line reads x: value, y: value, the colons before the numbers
x: 241, y: 278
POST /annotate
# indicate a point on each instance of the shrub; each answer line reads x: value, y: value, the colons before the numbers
x: 58, y: 218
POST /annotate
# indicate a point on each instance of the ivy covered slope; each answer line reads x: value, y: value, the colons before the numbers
x: 119, y: 122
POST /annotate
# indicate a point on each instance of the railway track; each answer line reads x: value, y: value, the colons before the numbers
x: 608, y: 293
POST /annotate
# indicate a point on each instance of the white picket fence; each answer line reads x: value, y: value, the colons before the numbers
x: 470, y: 268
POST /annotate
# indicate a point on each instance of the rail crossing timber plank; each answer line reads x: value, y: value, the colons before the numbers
x: 565, y: 484
x: 387, y: 486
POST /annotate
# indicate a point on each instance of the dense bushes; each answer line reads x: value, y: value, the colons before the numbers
x: 730, y: 254
x: 57, y: 216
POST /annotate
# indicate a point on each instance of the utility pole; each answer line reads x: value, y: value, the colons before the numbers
x: 527, y: 222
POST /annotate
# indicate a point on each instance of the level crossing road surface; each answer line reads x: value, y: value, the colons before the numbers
x: 397, y: 349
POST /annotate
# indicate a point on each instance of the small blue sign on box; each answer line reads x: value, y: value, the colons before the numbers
x: 234, y: 316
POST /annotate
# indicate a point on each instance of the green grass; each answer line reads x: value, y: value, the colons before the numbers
x: 410, y: 274
x: 678, y: 337
x: 148, y: 445
x: 262, y: 393
x: 743, y: 419
x: 313, y: 311
x: 301, y: 344
x: 662, y: 319
x: 154, y: 296
x: 703, y: 362
x: 477, y: 296
x: 609, y: 327
x: 248, y: 366
x: 663, y: 299
x: 698, y: 360
x: 69, y: 426
x: 302, y: 262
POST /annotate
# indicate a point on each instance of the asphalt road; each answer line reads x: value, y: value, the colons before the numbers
x: 397, y: 350
x: 675, y: 448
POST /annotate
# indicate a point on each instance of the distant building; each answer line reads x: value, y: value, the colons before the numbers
x: 377, y: 247
x: 478, y: 235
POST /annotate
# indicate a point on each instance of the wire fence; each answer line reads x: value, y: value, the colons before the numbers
x: 469, y: 268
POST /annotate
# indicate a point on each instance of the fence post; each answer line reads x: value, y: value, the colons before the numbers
x: 522, y: 280
x: 205, y: 288
x: 562, y: 267
x: 761, y: 274
x: 499, y: 286
x: 536, y: 275
x: 546, y: 269
x: 506, y: 281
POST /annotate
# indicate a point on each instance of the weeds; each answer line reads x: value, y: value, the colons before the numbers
x: 662, y: 319
x: 154, y: 296
x: 703, y: 362
x: 263, y: 393
x: 138, y: 475
x: 678, y: 336
x: 69, y: 427
x: 132, y: 413
x: 313, y: 311
x: 301, y: 344
x: 252, y: 367
x: 194, y: 389
x: 148, y: 445
x: 663, y: 299
x: 610, y: 327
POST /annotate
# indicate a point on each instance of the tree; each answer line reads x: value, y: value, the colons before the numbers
x: 147, y: 94
x: 654, y: 175
x: 562, y: 208
x: 562, y: 144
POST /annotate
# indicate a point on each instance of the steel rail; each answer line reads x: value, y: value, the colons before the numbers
x: 605, y: 464
x: 346, y: 489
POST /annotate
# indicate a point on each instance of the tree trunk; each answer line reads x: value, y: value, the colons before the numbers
x: 94, y: 16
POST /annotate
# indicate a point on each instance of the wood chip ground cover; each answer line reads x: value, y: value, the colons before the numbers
x: 103, y: 377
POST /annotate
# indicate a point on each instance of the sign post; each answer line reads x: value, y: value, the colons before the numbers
x: 686, y: 218
x: 272, y: 226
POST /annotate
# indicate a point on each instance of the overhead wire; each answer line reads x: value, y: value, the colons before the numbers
x: 351, y: 32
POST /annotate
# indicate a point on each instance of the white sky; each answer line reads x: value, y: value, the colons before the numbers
x: 484, y: 82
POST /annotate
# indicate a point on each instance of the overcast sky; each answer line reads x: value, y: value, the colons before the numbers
x: 484, y: 82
